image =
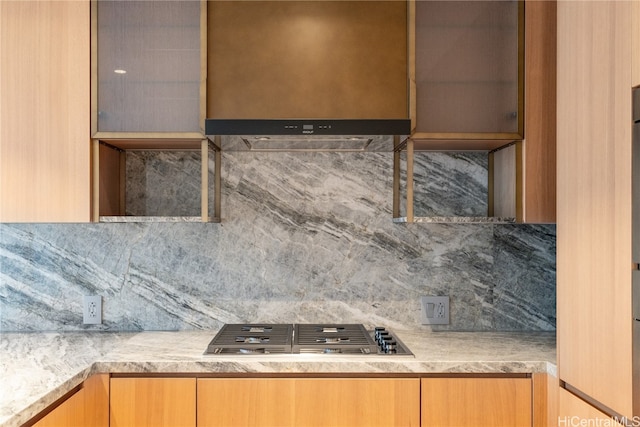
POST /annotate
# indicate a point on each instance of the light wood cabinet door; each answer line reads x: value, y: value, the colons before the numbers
x: 476, y: 402
x: 44, y: 111
x: 576, y: 412
x: 635, y: 49
x: 594, y: 264
x: 157, y: 402
x: 309, y: 402
x: 88, y: 407
x: 69, y: 413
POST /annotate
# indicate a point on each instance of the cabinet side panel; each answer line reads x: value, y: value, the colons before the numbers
x: 540, y: 112
x: 636, y: 43
x: 545, y: 400
x: 594, y: 200
x: 96, y: 390
x: 44, y: 111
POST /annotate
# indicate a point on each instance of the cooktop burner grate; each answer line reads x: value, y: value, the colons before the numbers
x: 342, y: 338
x: 252, y: 339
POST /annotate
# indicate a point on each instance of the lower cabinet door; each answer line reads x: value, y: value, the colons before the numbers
x: 69, y: 413
x: 157, y: 402
x: 308, y: 402
x: 576, y: 412
x: 476, y: 402
x: 88, y: 407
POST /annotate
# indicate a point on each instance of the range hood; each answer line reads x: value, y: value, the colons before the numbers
x: 307, y: 75
x: 274, y: 135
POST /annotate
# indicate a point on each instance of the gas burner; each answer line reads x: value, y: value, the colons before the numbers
x: 257, y: 329
x: 253, y: 340
x: 332, y: 340
x: 252, y: 351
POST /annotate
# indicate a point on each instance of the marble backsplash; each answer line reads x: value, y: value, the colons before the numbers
x: 305, y: 237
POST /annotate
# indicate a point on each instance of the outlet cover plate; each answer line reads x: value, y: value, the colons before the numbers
x: 434, y: 310
x: 92, y: 309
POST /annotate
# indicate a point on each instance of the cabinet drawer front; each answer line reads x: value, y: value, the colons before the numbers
x: 309, y: 402
x: 476, y: 402
x: 153, y: 402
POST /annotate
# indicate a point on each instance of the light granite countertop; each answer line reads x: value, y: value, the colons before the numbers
x: 38, y: 368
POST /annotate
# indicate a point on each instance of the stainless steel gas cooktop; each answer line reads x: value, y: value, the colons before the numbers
x: 338, y: 339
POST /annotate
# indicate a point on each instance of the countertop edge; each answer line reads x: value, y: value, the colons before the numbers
x: 136, y: 367
x: 62, y: 358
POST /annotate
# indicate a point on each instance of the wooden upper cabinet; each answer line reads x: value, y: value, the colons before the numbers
x: 473, y: 402
x: 467, y: 73
x: 44, y: 111
x: 153, y: 402
x: 524, y: 175
x: 309, y: 402
x: 149, y: 66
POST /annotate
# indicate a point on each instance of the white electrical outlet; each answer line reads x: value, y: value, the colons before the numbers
x: 435, y: 310
x: 92, y: 310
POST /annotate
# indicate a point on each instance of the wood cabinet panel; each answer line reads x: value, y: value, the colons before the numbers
x: 153, y: 402
x: 44, y: 111
x: 545, y: 400
x: 537, y: 187
x: 476, y: 402
x: 309, y: 402
x: 88, y: 407
x: 575, y: 411
x: 635, y: 47
x: 69, y: 413
x: 594, y: 200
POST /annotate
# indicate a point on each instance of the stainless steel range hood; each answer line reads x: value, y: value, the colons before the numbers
x: 307, y: 75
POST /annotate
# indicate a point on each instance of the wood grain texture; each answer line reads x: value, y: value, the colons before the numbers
x: 504, y: 182
x: 574, y: 411
x: 545, y: 400
x: 88, y: 407
x: 635, y: 40
x: 70, y: 413
x: 157, y: 402
x: 594, y: 200
x: 309, y: 402
x: 96, y: 400
x: 44, y: 111
x: 111, y: 179
x: 476, y: 402
x: 539, y: 148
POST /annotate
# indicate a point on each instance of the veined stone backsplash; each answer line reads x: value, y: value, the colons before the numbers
x: 305, y: 237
